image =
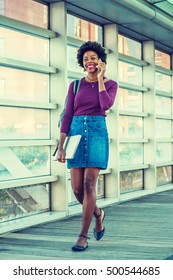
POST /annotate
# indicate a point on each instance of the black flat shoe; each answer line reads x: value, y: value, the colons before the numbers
x: 78, y: 248
x: 99, y: 234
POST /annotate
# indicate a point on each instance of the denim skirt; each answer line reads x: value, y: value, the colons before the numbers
x: 93, y: 149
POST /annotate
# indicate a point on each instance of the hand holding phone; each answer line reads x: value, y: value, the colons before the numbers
x: 101, y: 68
x: 98, y: 67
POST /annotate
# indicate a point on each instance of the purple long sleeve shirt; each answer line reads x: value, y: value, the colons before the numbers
x: 88, y: 101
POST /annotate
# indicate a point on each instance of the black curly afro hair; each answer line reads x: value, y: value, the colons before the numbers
x: 91, y: 46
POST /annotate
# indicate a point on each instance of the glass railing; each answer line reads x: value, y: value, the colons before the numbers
x: 23, y: 201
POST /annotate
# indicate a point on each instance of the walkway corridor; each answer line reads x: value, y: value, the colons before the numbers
x: 141, y: 229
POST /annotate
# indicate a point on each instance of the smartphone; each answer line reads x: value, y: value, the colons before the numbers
x: 99, y: 69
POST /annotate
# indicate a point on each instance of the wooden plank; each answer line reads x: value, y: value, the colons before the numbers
x: 135, y: 230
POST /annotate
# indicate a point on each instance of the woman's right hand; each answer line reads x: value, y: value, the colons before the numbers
x: 61, y: 155
x: 61, y: 151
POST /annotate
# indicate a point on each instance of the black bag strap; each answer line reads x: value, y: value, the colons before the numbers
x: 76, y: 86
x: 75, y: 90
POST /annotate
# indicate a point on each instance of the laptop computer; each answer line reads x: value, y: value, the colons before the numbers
x: 70, y: 146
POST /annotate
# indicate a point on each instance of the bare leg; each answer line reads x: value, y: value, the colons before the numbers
x: 89, y: 200
x: 84, y: 185
x: 77, y: 181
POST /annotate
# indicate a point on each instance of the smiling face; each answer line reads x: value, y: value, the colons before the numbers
x: 90, y: 61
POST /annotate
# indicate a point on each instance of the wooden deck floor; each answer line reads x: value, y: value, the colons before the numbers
x: 141, y: 229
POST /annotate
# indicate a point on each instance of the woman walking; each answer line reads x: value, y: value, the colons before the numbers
x: 85, y: 115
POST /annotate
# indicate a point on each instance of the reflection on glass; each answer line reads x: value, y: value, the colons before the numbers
x: 100, y: 187
x: 163, y: 152
x: 20, y: 202
x: 2, y: 46
x: 131, y: 127
x: 28, y: 11
x: 21, y: 123
x: 24, y: 85
x: 24, y: 162
x: 82, y: 29
x: 163, y: 105
x: 72, y: 61
x: 71, y: 197
x: 129, y: 47
x: 131, y: 181
x: 25, y: 47
x: 130, y: 100
x: 163, y: 82
x: 2, y: 88
x: 163, y: 128
x: 129, y: 73
x: 164, y: 175
x: 131, y: 154
x: 162, y: 59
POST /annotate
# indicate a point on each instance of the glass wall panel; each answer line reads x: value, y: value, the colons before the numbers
x: 24, y: 162
x: 163, y: 105
x: 163, y: 128
x: 71, y: 197
x: 131, y: 181
x: 162, y: 59
x: 71, y: 60
x: 131, y: 154
x: 130, y: 100
x: 131, y: 127
x: 163, y: 152
x: 19, y: 123
x: 19, y: 202
x: 28, y: 11
x: 2, y: 46
x: 129, y: 47
x: 22, y: 46
x: 164, y: 175
x: 100, y: 188
x: 2, y: 88
x: 83, y: 30
x: 24, y: 85
x: 129, y: 73
x: 163, y: 82
x: 22, y: 123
